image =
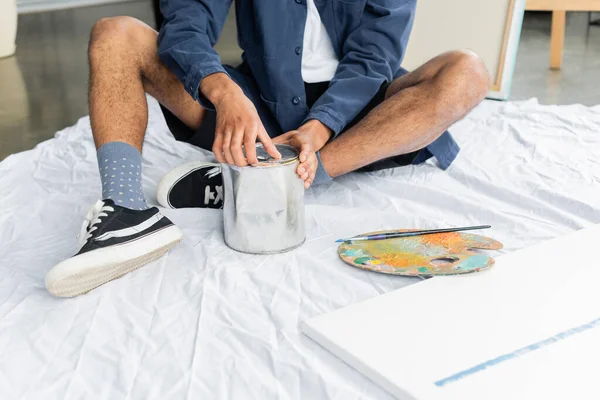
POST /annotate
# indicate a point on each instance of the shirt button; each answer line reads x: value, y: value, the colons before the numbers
x: 298, y: 50
x: 296, y: 100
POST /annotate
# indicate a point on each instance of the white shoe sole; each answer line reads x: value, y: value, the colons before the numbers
x: 170, y: 179
x: 87, y: 271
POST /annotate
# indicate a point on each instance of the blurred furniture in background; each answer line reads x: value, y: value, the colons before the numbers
x: 559, y: 10
x: 8, y: 27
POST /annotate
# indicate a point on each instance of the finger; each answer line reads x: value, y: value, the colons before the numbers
x: 306, y: 158
x: 236, y: 148
x: 304, y: 155
x: 303, y: 168
x: 307, y: 183
x: 268, y: 143
x: 218, y: 148
x: 250, y: 146
x: 311, y: 175
x: 226, y: 147
x: 305, y: 150
x: 313, y: 169
x: 308, y: 169
x: 303, y: 171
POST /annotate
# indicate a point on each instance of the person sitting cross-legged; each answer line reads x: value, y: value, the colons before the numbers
x: 324, y: 77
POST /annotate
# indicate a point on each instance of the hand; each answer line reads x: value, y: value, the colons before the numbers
x: 308, y: 139
x: 238, y: 123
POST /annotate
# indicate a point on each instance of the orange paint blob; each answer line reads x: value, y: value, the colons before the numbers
x: 452, y: 241
x: 403, y: 260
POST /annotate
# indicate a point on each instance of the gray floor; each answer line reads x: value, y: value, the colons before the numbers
x: 44, y: 87
x: 577, y: 81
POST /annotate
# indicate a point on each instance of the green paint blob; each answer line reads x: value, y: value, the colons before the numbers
x: 362, y: 260
x: 423, y: 269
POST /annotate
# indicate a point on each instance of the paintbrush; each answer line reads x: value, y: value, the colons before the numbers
x: 392, y: 235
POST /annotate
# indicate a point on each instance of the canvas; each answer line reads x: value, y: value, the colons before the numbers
x: 529, y: 328
x: 489, y: 28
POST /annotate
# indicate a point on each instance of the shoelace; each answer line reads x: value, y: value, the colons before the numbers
x: 214, y: 171
x: 92, y: 219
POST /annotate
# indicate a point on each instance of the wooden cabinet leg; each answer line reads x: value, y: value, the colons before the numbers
x: 559, y: 21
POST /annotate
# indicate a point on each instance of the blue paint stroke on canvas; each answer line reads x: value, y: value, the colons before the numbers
x: 517, y: 353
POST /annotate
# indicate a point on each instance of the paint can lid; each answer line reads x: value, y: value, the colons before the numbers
x: 289, y: 155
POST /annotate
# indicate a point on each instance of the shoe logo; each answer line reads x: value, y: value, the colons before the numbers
x: 210, y: 195
x: 132, y: 230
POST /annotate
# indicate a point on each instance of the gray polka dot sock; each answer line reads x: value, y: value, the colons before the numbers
x: 121, y: 175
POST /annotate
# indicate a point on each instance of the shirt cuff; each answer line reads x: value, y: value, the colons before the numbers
x: 195, y: 76
x: 333, y: 120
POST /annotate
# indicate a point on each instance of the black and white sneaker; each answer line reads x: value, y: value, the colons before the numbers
x: 116, y: 241
x: 196, y: 184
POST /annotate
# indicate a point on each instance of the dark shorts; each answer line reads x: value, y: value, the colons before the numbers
x: 204, y: 136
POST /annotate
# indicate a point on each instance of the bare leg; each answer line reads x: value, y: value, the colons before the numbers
x: 124, y: 65
x: 419, y: 107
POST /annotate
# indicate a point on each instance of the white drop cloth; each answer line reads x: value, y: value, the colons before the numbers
x: 206, y: 322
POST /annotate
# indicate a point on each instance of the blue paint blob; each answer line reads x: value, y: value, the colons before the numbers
x: 353, y: 252
x: 473, y: 262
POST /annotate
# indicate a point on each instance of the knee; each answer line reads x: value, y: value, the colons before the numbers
x: 112, y: 34
x: 474, y: 73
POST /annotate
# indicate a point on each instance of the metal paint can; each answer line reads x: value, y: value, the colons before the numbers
x: 263, y: 208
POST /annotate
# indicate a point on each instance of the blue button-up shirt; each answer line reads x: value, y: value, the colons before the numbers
x: 368, y: 36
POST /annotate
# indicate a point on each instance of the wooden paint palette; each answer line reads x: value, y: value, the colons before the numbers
x: 427, y: 255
